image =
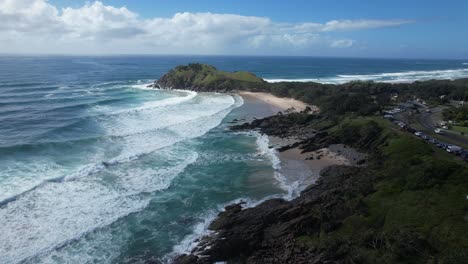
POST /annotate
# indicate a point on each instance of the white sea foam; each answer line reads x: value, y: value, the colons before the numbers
x: 143, y: 86
x: 263, y: 146
x: 96, y: 247
x: 465, y: 63
x: 131, y: 183
x: 191, y: 241
x: 131, y: 133
x: 392, y: 77
x: 59, y: 212
x: 155, y: 129
x: 56, y: 213
x: 189, y: 95
x: 293, y: 80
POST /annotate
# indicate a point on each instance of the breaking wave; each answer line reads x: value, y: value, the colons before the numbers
x: 393, y: 77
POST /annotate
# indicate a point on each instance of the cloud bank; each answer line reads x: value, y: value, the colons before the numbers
x: 36, y: 26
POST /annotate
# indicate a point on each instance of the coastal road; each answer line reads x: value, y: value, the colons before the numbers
x: 428, y: 121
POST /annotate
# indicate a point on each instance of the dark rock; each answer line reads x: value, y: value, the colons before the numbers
x: 268, y: 232
x: 188, y: 259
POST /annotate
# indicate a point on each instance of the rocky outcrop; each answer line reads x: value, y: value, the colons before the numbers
x: 274, y: 231
x: 305, y: 135
x: 271, y: 232
x: 283, y: 126
x: 206, y: 78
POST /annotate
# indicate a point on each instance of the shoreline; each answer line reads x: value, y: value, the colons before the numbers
x: 281, y: 103
x: 293, y: 174
x: 303, y: 169
x: 298, y: 170
x: 298, y: 174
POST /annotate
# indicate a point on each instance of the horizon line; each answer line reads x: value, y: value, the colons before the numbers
x: 222, y: 55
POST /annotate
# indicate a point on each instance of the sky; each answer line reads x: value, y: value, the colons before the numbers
x: 352, y: 28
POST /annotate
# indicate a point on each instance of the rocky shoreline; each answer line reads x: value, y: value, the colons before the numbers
x: 267, y: 233
x: 401, y: 203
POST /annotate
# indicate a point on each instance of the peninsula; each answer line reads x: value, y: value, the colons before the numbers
x: 404, y: 203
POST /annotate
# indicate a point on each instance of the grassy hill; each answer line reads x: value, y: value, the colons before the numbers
x: 202, y: 77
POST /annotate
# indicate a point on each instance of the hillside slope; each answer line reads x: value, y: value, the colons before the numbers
x: 206, y: 78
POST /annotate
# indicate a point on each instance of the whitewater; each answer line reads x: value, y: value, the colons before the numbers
x: 390, y: 77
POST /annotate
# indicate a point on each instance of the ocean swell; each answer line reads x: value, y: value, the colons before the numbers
x: 58, y: 210
x: 392, y: 77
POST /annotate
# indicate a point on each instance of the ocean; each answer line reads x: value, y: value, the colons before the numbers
x: 97, y: 168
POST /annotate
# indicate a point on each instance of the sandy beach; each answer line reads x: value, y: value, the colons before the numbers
x: 299, y: 169
x: 280, y: 103
x: 304, y: 169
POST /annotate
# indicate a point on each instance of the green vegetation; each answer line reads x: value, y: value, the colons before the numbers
x: 204, y: 77
x: 458, y: 114
x: 366, y: 98
x: 417, y: 210
x: 407, y: 206
x: 461, y: 129
x: 362, y: 98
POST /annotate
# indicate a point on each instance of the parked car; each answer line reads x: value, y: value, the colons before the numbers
x: 418, y: 133
x: 453, y: 149
x: 438, y: 131
x: 442, y: 145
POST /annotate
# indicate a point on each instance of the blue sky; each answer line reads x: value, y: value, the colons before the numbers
x: 393, y: 29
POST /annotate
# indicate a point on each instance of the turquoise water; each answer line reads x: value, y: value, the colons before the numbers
x: 125, y: 181
x: 95, y: 168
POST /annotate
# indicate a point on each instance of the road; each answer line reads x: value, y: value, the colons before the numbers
x: 428, y: 120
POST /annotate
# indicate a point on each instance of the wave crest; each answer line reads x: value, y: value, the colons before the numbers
x: 391, y: 77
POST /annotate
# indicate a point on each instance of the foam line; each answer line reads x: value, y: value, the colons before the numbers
x: 390, y: 77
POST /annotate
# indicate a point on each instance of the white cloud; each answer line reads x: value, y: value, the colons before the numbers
x: 336, y: 25
x: 28, y: 16
x: 99, y: 21
x: 342, y: 43
x: 26, y: 25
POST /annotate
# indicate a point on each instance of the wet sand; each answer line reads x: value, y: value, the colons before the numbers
x: 304, y: 169
x: 280, y: 103
x: 299, y: 169
x: 254, y: 108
